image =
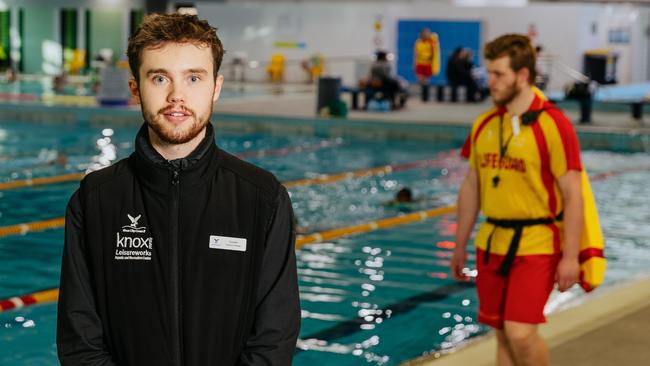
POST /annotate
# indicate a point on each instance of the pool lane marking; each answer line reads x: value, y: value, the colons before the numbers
x: 341, y: 329
x: 245, y: 154
x: 355, y: 325
x: 59, y: 222
x: 52, y: 294
x: 321, y: 179
x: 18, y: 302
x: 25, y: 228
x: 41, y: 181
x: 373, y: 225
x: 300, y: 240
x: 362, y: 173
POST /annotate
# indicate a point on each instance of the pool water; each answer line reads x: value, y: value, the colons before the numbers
x: 380, y: 298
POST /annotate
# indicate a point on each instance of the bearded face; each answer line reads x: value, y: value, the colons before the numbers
x: 502, y: 81
x: 177, y: 89
x: 506, y: 94
x: 176, y: 123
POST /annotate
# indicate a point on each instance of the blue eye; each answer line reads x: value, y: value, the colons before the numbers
x: 159, y: 79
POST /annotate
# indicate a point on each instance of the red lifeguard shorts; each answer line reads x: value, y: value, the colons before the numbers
x: 520, y: 296
x: 423, y: 70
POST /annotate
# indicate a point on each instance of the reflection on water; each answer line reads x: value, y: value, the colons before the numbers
x: 107, y: 152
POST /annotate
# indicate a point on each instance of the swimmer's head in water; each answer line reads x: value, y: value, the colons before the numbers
x: 404, y: 195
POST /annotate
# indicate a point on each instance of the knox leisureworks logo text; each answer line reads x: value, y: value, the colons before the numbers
x: 129, y: 247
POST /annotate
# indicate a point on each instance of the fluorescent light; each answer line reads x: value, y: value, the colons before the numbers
x: 488, y: 3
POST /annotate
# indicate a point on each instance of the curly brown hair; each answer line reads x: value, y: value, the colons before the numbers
x: 158, y: 29
x: 518, y: 48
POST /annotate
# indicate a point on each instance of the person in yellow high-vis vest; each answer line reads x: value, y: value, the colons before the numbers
x: 426, y: 59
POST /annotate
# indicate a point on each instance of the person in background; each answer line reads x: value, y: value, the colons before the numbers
x: 426, y: 60
x: 544, y: 65
x: 381, y: 78
x: 404, y: 199
x: 459, y: 73
x: 180, y: 254
x: 525, y: 176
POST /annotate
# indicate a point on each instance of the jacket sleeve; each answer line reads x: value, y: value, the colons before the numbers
x: 277, y: 317
x: 79, y: 336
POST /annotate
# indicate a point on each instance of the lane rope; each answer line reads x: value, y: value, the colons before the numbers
x: 245, y: 154
x: 39, y: 297
x: 373, y: 225
x: 21, y: 229
x: 41, y: 181
x: 59, y: 222
x: 51, y: 295
x: 362, y: 173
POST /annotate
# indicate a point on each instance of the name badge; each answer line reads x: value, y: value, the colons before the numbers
x: 227, y: 243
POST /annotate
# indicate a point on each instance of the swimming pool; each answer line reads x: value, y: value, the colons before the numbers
x: 381, y: 297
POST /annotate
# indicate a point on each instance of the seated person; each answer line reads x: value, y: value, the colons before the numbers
x: 382, y: 80
x: 459, y: 73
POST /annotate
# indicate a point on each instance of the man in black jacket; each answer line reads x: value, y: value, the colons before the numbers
x: 180, y: 254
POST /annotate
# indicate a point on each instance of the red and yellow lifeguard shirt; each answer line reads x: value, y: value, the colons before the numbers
x: 427, y: 53
x: 528, y: 171
x: 423, y: 51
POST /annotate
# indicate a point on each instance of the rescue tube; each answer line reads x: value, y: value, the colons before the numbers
x: 592, y: 245
x: 435, y: 58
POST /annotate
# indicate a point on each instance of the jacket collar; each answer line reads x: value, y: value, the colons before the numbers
x: 157, y: 173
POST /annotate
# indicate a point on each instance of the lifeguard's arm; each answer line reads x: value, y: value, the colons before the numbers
x: 568, y: 270
x: 79, y: 334
x: 272, y: 341
x: 467, y: 210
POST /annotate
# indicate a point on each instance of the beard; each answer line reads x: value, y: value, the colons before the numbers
x: 510, y: 93
x: 175, y: 135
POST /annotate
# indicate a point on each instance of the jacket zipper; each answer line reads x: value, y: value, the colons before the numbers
x: 175, y: 270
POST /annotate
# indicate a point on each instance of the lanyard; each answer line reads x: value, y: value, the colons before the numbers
x: 503, y: 148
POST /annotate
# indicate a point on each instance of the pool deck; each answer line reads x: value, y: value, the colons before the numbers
x: 304, y: 105
x: 609, y: 328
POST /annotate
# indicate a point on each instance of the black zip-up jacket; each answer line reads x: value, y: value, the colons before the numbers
x: 183, y: 262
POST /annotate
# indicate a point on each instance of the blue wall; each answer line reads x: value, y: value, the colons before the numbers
x: 451, y: 34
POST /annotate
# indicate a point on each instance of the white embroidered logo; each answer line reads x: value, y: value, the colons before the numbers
x: 133, y: 247
x: 133, y: 226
